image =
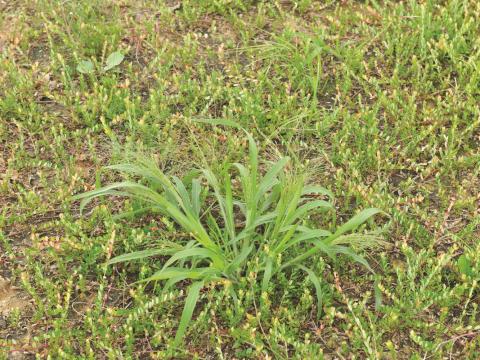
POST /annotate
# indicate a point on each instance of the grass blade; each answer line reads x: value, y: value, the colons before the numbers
x: 184, y: 196
x: 197, y: 252
x: 267, y: 275
x: 173, y: 272
x: 190, y: 303
x: 305, y: 236
x: 308, y: 207
x: 356, y: 221
x: 318, y: 288
x: 235, y: 265
x: 138, y: 255
x: 270, y: 178
x: 216, y: 122
x: 317, y: 190
x: 196, y: 191
x: 353, y: 255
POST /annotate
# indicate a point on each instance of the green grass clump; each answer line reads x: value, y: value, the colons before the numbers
x: 265, y: 221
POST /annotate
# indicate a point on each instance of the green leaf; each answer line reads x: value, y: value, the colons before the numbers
x: 269, y: 180
x: 132, y: 213
x: 229, y: 220
x: 317, y: 190
x: 253, y: 160
x: 305, y: 236
x: 190, y: 303
x: 148, y: 169
x: 360, y: 241
x: 173, y: 272
x: 114, y: 59
x: 236, y: 263
x: 318, y: 288
x: 198, y: 252
x: 184, y: 196
x: 137, y: 255
x: 464, y: 265
x: 223, y: 122
x: 173, y: 280
x: 124, y: 188
x: 267, y: 275
x: 378, y: 294
x: 260, y: 220
x: 353, y: 255
x: 85, y: 67
x: 309, y: 206
x: 196, y: 201
x: 356, y: 221
x: 221, y: 201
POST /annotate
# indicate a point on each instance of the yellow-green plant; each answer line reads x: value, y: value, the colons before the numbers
x: 265, y: 219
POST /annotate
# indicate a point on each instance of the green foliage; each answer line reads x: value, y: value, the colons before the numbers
x: 85, y: 67
x: 464, y: 265
x: 377, y: 101
x: 265, y: 220
x: 113, y: 60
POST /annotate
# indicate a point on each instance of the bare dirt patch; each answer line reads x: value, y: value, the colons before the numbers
x: 10, y: 298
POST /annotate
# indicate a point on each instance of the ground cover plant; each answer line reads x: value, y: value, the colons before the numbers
x: 376, y: 102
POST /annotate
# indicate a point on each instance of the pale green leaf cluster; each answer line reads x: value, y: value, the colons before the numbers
x: 113, y: 60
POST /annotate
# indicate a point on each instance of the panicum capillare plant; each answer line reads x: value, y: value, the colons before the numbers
x: 265, y: 219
